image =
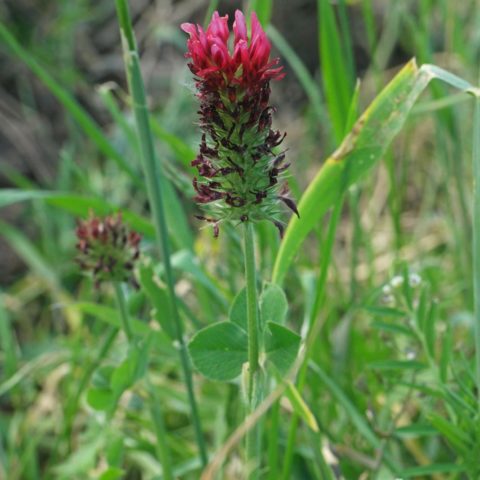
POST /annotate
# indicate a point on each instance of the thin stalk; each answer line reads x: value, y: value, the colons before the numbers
x: 252, y: 331
x: 476, y: 236
x: 156, y: 413
x: 153, y: 177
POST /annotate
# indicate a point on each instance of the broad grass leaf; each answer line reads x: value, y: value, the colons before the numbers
x: 219, y: 351
x: 361, y: 149
x: 281, y: 346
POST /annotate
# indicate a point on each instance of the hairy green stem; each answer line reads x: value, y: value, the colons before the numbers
x: 253, y: 333
x: 155, y: 410
x: 153, y: 177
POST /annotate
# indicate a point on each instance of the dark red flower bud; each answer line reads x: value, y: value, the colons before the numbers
x: 107, y: 248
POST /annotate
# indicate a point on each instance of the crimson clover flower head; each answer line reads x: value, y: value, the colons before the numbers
x: 107, y: 248
x: 241, y: 175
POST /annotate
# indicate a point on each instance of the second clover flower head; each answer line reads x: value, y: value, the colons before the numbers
x: 241, y: 176
x: 107, y: 248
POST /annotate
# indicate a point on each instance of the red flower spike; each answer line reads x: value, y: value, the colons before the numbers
x: 240, y: 178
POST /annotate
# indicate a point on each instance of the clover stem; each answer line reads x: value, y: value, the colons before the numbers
x: 252, y: 307
x: 253, y: 333
x: 155, y: 408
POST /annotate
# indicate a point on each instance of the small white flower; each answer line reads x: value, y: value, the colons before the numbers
x: 388, y: 299
x: 414, y: 280
x: 387, y: 289
x: 411, y: 355
x: 396, y: 281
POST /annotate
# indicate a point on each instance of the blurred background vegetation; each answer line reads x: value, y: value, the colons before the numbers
x: 412, y: 215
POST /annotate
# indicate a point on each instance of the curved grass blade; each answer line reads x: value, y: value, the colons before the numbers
x: 361, y: 149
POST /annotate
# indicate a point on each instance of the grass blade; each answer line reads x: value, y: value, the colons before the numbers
x: 361, y: 150
x: 157, y: 199
x: 337, y: 81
